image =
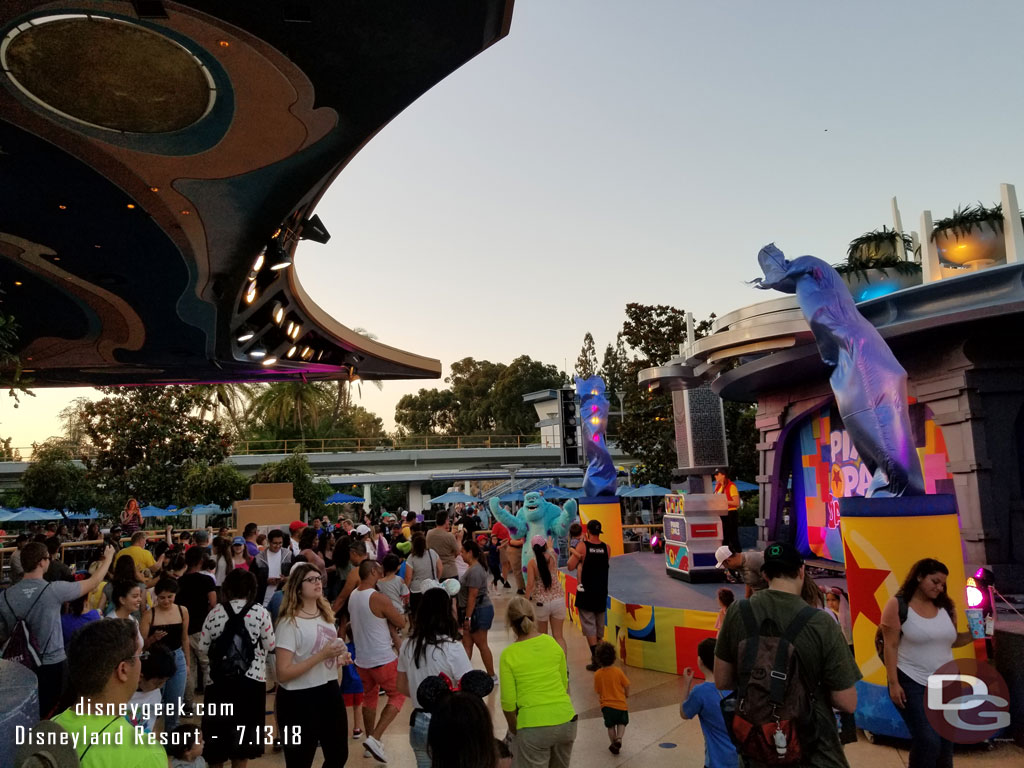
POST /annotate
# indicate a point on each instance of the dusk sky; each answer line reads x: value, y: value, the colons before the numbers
x: 611, y: 152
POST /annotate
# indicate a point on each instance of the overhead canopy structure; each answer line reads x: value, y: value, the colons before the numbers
x: 161, y: 161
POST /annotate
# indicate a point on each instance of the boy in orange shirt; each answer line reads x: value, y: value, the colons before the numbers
x: 612, y: 688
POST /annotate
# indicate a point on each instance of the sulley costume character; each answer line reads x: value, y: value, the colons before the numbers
x: 537, y: 518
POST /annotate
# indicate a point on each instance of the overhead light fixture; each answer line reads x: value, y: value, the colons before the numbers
x: 307, y: 353
x: 291, y: 327
x: 293, y: 333
x: 130, y: 206
x: 278, y: 312
x: 246, y: 334
x: 320, y: 356
x: 257, y: 352
x: 258, y: 264
x: 269, y: 361
x: 283, y: 262
x: 250, y: 292
x: 291, y: 352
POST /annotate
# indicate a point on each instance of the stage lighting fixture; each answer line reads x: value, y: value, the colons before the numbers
x: 307, y: 353
x: 294, y: 331
x: 278, y: 312
x: 250, y: 292
x: 314, y: 229
x: 257, y: 352
x: 279, y: 258
x: 269, y: 361
x: 258, y: 264
x: 291, y: 351
x: 245, y: 334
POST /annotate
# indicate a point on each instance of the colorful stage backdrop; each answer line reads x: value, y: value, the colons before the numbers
x: 648, y: 636
x: 826, y: 468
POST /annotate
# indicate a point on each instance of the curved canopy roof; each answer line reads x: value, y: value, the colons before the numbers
x: 158, y: 159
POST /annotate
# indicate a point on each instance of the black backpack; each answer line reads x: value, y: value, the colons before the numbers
x: 21, y: 646
x: 234, y: 651
x: 769, y: 715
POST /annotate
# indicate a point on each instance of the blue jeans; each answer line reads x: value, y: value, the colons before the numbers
x: 174, y: 689
x: 418, y: 739
x: 927, y: 748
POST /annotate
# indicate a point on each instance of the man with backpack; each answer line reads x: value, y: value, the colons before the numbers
x: 30, y: 630
x: 789, y: 665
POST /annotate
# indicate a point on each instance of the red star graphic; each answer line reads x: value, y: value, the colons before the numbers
x: 862, y: 584
x: 631, y: 609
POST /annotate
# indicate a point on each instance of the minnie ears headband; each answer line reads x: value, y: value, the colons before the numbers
x: 436, y: 688
x: 451, y: 586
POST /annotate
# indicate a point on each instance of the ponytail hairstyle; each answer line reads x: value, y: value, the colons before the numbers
x: 520, y: 616
x: 473, y: 548
x: 540, y: 555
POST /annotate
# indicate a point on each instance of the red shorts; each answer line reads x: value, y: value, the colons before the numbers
x: 352, y: 699
x: 385, y: 676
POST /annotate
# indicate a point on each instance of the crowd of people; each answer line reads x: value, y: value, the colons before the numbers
x: 177, y: 640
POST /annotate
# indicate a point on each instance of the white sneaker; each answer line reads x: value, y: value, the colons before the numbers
x: 376, y: 749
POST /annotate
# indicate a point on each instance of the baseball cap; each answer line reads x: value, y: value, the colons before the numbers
x: 721, y: 471
x: 238, y: 540
x: 296, y: 525
x: 538, y: 541
x: 784, y: 554
x: 362, y: 529
x: 722, y: 554
x: 594, y: 527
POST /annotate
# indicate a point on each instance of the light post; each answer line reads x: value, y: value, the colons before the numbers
x: 512, y: 469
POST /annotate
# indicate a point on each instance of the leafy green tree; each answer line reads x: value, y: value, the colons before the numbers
x: 654, y: 333
x: 428, y: 412
x: 54, y: 481
x: 295, y: 469
x: 221, y: 484
x: 143, y: 440
x: 586, y: 363
x: 512, y: 416
x: 7, y: 452
x: 741, y: 436
x: 472, y: 383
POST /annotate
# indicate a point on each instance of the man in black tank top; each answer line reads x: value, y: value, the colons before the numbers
x: 591, y: 556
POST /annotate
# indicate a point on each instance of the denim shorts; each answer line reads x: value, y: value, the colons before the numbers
x: 483, y: 618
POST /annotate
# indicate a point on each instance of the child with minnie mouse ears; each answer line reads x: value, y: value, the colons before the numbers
x: 461, y: 734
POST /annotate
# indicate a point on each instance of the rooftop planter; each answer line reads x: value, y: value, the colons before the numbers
x: 972, y: 237
x: 876, y: 264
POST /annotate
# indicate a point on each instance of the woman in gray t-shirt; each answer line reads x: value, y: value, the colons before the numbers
x: 476, y: 612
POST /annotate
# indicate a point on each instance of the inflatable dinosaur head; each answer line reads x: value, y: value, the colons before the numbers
x: 533, y: 504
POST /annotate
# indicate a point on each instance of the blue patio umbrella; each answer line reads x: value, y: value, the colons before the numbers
x: 624, y: 490
x: 6, y: 514
x: 557, y: 492
x: 648, y: 490
x: 173, y: 508
x: 92, y: 514
x: 454, y: 497
x: 150, y: 511
x: 207, y: 509
x: 511, y: 496
x: 34, y: 515
x: 343, y: 498
x: 742, y: 485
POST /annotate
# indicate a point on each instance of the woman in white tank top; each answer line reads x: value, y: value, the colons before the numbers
x: 915, y: 649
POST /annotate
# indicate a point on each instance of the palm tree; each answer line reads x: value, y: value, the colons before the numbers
x: 235, y: 400
x: 295, y: 404
x: 343, y: 387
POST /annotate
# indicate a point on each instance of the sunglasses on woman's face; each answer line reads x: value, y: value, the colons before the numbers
x: 313, y: 580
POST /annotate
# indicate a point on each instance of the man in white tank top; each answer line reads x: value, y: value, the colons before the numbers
x: 370, y: 613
